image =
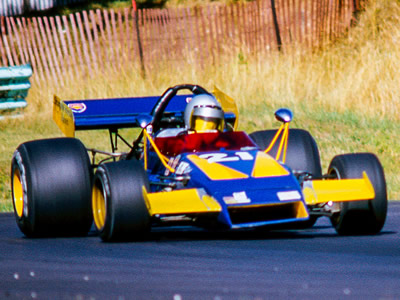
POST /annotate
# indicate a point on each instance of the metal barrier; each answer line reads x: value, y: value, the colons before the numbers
x: 20, y: 7
x: 14, y: 86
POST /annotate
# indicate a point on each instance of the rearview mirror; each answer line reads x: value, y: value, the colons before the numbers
x: 284, y: 115
x: 143, y: 120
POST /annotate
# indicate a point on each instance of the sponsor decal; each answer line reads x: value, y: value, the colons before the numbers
x: 77, y: 107
x: 237, y: 198
x: 289, y: 195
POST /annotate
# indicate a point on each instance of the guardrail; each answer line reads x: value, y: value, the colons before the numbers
x: 20, y: 7
x: 14, y: 86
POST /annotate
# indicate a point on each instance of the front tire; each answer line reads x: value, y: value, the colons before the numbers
x: 119, y: 208
x: 360, y: 217
x: 51, y: 188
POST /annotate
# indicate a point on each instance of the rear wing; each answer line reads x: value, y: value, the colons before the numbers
x: 111, y: 113
x: 116, y: 113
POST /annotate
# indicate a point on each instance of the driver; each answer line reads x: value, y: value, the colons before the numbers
x: 204, y: 114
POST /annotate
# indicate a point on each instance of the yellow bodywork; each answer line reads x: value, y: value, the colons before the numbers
x: 301, y: 211
x: 216, y: 171
x: 64, y: 117
x: 180, y: 202
x: 266, y: 166
x: 227, y: 103
x: 323, y: 191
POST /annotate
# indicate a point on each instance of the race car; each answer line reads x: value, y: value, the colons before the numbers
x: 188, y: 166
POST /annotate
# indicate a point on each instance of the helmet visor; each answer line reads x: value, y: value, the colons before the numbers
x: 201, y: 124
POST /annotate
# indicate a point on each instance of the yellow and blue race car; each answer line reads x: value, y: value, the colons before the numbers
x: 189, y: 166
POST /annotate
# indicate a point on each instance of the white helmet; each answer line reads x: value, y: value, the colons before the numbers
x: 204, y: 113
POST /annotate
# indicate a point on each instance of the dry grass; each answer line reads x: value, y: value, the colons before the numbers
x: 346, y: 95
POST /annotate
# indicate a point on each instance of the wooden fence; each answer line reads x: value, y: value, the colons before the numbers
x: 89, y: 42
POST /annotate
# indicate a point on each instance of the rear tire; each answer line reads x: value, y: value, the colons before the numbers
x: 360, y: 217
x: 119, y: 208
x: 302, y: 150
x: 51, y: 188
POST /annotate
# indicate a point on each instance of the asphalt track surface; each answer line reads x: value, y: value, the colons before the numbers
x: 310, y: 264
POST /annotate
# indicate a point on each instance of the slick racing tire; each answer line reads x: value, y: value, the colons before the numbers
x: 302, y: 151
x: 51, y: 188
x: 119, y: 208
x: 360, y: 217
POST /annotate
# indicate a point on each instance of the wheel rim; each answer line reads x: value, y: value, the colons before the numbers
x: 99, y: 207
x: 18, y: 193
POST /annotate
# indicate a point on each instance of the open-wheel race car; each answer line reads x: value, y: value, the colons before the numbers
x: 189, y: 166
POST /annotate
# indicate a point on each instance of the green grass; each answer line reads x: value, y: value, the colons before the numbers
x: 346, y: 95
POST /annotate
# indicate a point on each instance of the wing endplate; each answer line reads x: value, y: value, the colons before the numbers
x: 323, y: 191
x: 64, y: 117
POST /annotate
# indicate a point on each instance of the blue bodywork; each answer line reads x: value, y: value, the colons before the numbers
x: 263, y: 206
